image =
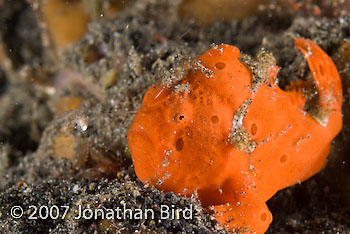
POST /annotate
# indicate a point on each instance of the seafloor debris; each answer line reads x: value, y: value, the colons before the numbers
x: 67, y: 20
x: 209, y: 11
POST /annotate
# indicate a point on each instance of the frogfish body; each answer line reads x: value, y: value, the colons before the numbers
x: 234, y: 137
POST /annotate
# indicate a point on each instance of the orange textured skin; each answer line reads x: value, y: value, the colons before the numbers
x: 180, y: 141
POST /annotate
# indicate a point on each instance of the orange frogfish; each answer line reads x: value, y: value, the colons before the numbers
x: 233, y: 137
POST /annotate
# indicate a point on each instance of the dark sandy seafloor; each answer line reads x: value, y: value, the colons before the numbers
x: 30, y: 174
